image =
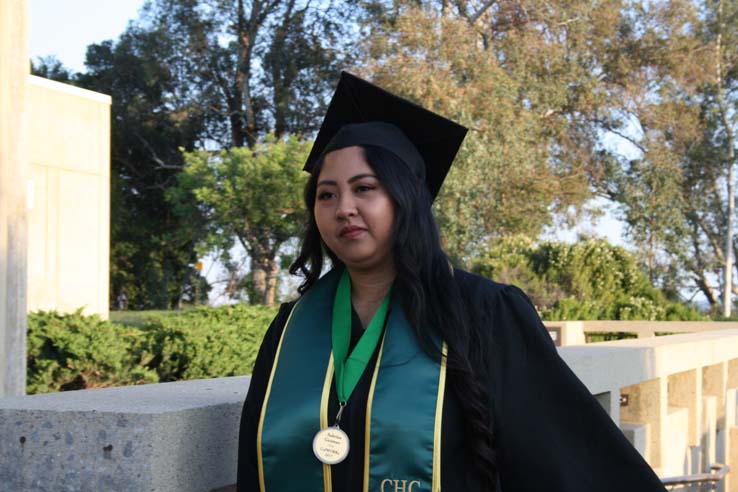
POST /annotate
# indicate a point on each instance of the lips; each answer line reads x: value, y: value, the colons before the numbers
x: 351, y: 232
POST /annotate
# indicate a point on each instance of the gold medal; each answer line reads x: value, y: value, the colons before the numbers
x: 331, y: 445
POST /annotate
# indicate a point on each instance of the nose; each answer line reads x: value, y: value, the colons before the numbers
x: 346, y: 206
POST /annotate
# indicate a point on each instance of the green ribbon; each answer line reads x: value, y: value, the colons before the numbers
x: 349, y: 369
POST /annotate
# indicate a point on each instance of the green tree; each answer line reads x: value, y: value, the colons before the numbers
x: 678, y: 117
x: 589, y: 279
x: 152, y: 250
x: 256, y: 66
x: 249, y: 195
x: 721, y: 97
x: 50, y: 67
x: 527, y: 80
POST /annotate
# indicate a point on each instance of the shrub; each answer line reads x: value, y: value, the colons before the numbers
x: 587, y: 280
x: 206, y: 342
x: 73, y: 351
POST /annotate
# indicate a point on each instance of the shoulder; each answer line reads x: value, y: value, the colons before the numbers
x: 468, y: 281
x: 490, y: 302
x: 482, y: 291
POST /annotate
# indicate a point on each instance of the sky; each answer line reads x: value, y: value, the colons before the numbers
x: 65, y: 28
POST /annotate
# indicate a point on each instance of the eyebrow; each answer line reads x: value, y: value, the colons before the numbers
x: 351, y: 179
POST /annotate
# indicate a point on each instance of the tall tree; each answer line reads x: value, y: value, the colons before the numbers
x: 50, y: 67
x: 526, y: 79
x: 672, y: 117
x: 152, y: 250
x: 722, y: 31
x: 258, y: 66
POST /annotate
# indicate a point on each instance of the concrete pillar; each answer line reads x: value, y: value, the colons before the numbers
x: 14, y: 70
x: 728, y: 443
x: 685, y: 390
x: 709, y: 432
x: 647, y: 404
x: 733, y: 373
x: 610, y: 401
x: 572, y: 333
x: 732, y: 483
x: 715, y: 383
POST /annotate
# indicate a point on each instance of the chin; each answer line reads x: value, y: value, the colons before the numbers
x: 357, y: 263
x: 354, y: 258
x: 364, y: 263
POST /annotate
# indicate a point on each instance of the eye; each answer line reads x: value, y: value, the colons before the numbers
x: 325, y: 195
x: 362, y: 188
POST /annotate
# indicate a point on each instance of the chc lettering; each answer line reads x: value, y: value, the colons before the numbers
x: 398, y: 485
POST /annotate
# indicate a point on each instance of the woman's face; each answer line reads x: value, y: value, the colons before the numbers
x: 353, y: 211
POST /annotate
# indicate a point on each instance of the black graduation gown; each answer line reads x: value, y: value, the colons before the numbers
x: 550, y: 434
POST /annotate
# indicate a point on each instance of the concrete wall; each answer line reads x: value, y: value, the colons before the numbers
x: 69, y: 198
x: 54, y: 196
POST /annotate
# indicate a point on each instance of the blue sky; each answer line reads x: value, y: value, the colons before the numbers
x: 65, y: 27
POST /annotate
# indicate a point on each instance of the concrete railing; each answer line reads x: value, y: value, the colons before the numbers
x: 675, y: 397
x: 574, y: 332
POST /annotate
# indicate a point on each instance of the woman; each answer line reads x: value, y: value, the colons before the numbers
x: 395, y: 372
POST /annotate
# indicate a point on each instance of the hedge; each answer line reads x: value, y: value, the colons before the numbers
x: 73, y: 351
x: 205, y: 342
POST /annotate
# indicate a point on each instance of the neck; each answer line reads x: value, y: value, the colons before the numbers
x: 372, y: 285
x: 368, y: 288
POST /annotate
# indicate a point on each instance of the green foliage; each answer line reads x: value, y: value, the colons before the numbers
x: 72, y: 351
x: 520, y: 85
x: 676, y: 140
x: 249, y: 195
x: 635, y: 101
x: 206, y: 342
x: 152, y: 250
x: 587, y: 280
x: 139, y: 318
x: 50, y: 67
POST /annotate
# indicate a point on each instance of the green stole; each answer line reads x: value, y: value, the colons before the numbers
x: 402, y: 451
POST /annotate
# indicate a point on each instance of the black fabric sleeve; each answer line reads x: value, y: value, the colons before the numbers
x: 248, y: 475
x: 550, y: 432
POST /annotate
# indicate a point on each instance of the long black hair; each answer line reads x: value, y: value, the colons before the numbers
x: 431, y: 299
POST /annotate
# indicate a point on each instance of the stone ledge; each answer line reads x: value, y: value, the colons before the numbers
x: 179, y: 437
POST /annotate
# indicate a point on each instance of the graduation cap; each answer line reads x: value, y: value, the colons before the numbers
x: 361, y: 113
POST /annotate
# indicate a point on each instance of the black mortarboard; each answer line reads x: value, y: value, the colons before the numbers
x: 361, y: 113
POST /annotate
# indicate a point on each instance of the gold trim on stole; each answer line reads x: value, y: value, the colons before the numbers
x: 368, y: 428
x: 436, y: 486
x: 327, y: 477
x: 259, y: 458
